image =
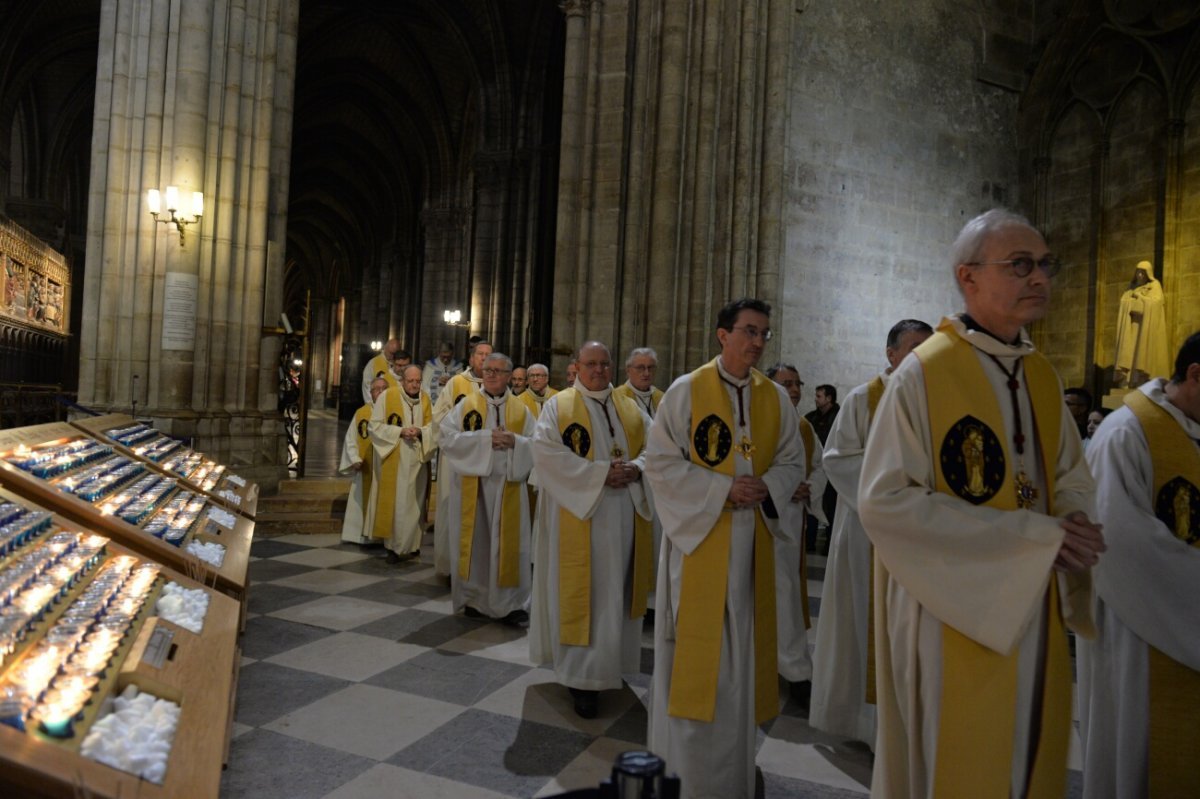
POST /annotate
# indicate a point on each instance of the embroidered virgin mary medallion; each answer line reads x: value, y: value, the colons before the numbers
x: 472, y: 421
x: 1178, y: 507
x: 712, y: 440
x: 362, y: 428
x: 576, y: 437
x: 395, y: 420
x: 972, y: 461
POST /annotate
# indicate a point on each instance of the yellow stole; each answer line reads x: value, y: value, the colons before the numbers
x: 385, y: 504
x: 1174, y: 688
x: 575, y: 534
x: 475, y: 410
x: 874, y: 395
x: 809, y: 437
x: 380, y: 368
x: 362, y: 417
x: 461, y: 386
x: 979, y: 686
x: 701, y: 612
x: 656, y: 395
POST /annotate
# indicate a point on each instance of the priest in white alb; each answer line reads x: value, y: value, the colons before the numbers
x: 453, y: 392
x: 1139, y: 681
x: 793, y: 618
x: 380, y: 365
x: 724, y: 454
x: 538, y: 389
x: 843, y: 688
x: 976, y: 497
x: 485, y: 446
x: 403, y: 439
x: 594, y: 556
x: 356, y: 462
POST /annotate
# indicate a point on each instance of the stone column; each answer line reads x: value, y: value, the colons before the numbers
x: 445, y: 274
x: 197, y: 95
x: 670, y: 182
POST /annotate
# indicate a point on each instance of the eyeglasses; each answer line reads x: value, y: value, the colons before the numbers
x: 595, y: 364
x: 1022, y: 267
x: 641, y: 367
x: 490, y: 372
x: 753, y: 332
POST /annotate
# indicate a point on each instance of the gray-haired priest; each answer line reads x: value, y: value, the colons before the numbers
x: 485, y: 444
x: 976, y: 496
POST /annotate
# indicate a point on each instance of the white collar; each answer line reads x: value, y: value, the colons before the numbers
x: 599, y: 396
x: 740, y: 382
x: 647, y: 394
x: 987, y: 343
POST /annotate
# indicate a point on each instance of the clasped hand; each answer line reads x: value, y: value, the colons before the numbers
x: 410, y: 433
x: 621, y: 473
x: 1082, y: 544
x: 803, y: 492
x: 747, y: 492
x: 502, y: 439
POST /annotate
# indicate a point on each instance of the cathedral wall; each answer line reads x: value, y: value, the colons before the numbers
x: 893, y: 144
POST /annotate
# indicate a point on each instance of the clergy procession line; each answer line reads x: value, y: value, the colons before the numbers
x: 964, y: 545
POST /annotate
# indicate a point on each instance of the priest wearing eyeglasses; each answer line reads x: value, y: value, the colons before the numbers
x: 724, y: 455
x: 485, y: 443
x: 976, y: 496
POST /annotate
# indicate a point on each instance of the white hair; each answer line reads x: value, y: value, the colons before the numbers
x: 638, y: 352
x: 540, y: 366
x: 500, y: 356
x: 967, y: 246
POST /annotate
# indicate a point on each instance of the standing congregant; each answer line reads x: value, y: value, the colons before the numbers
x: 594, y: 553
x: 1139, y: 681
x: 724, y: 454
x: 403, y: 439
x: 356, y: 461
x: 976, y: 496
x: 843, y: 694
x: 486, y: 449
x: 539, y: 390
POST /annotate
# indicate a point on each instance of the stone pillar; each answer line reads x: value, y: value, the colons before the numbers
x: 446, y: 276
x: 670, y: 181
x: 197, y: 95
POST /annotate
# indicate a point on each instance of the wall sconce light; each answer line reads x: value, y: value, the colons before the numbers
x: 454, y: 318
x: 376, y: 345
x: 155, y: 201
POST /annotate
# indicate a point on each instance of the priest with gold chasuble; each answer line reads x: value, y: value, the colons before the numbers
x: 485, y: 446
x: 1139, y: 681
x: 720, y: 461
x: 594, y: 553
x: 538, y: 389
x: 458, y: 387
x: 356, y: 462
x: 403, y: 439
x: 976, y: 497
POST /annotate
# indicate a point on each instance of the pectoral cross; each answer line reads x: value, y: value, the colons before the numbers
x: 746, y: 447
x: 1027, y: 492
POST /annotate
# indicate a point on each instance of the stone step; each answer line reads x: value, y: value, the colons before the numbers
x: 315, y: 486
x: 302, y: 503
x: 267, y: 528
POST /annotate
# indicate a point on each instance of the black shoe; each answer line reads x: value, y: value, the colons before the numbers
x: 392, y: 558
x: 472, y: 613
x: 518, y: 618
x: 586, y: 702
x: 801, y: 693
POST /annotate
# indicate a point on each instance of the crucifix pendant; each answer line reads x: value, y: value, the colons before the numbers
x: 746, y: 447
x: 617, y: 452
x: 1027, y: 492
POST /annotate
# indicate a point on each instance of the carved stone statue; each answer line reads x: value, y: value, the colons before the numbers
x: 1141, y: 331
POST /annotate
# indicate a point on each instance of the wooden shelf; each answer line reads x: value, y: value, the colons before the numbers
x: 231, y: 577
x: 199, y: 675
x: 98, y: 427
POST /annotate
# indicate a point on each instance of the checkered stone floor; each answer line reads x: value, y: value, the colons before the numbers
x: 358, y: 681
